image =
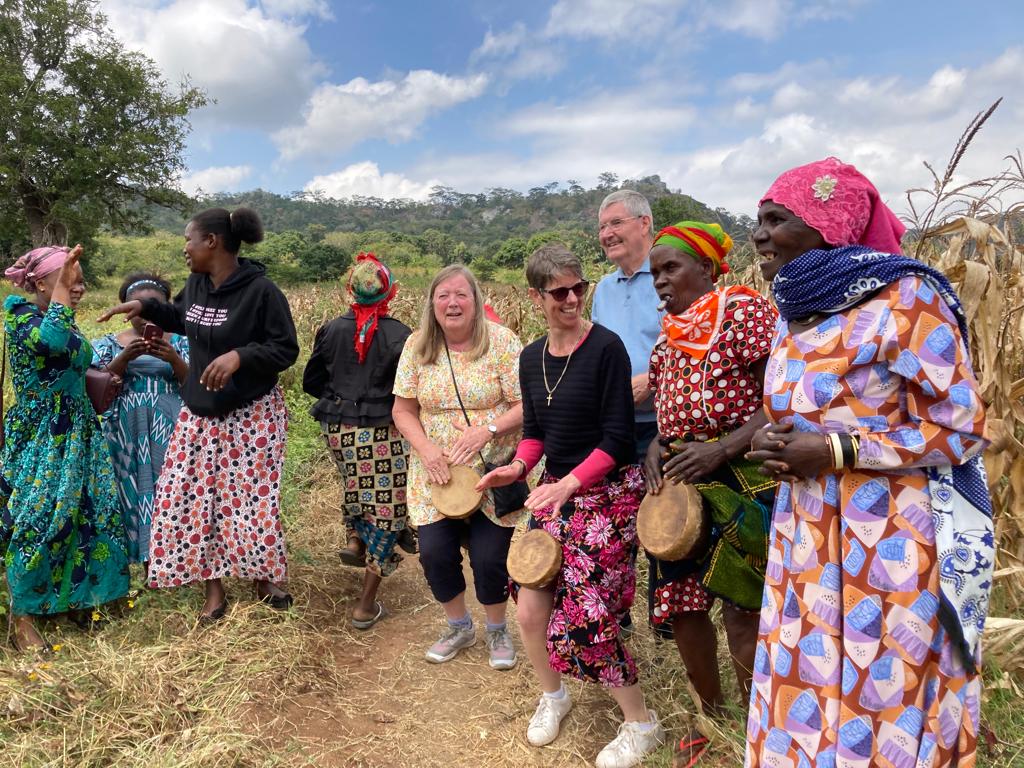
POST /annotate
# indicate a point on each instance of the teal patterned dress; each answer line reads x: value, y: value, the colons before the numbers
x: 138, y: 428
x: 61, y: 532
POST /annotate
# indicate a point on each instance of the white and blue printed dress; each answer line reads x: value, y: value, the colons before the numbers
x: 138, y: 427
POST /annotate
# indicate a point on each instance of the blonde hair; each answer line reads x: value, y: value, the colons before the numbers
x: 430, y: 338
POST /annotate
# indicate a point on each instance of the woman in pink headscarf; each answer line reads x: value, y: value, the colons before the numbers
x: 61, y: 531
x: 880, y: 562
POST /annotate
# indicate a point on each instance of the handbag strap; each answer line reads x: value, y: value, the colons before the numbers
x: 458, y: 394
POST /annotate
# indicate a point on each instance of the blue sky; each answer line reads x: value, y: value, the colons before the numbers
x: 391, y: 98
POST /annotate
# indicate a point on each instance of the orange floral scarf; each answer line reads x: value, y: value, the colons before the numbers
x: 694, y: 331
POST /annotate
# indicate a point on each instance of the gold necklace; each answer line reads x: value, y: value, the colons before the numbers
x: 544, y: 367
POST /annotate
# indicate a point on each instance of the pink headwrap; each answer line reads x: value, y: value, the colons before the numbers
x: 35, y: 265
x: 838, y: 200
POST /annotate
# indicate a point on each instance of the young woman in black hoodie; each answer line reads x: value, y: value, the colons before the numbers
x: 217, y: 508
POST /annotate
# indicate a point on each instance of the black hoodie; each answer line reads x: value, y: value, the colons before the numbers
x: 247, y: 313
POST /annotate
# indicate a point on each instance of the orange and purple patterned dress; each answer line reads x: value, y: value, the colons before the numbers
x: 853, y: 668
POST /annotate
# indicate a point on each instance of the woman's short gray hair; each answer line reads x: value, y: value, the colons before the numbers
x: 549, y: 261
x: 633, y: 202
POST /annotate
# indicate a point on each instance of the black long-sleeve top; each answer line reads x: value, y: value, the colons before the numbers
x: 592, y: 406
x: 247, y: 313
x: 351, y: 392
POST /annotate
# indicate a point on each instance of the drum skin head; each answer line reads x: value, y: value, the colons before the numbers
x: 673, y: 524
x: 457, y: 498
x: 534, y: 559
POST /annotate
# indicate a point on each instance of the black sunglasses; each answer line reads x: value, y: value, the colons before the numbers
x: 561, y: 294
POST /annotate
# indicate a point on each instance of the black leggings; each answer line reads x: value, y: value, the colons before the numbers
x: 441, y: 558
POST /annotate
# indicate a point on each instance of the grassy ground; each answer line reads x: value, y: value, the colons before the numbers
x: 304, y: 688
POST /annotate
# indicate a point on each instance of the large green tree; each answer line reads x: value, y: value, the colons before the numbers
x: 89, y: 131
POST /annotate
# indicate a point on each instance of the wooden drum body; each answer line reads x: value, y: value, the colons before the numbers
x: 458, y: 498
x: 534, y: 559
x: 673, y: 525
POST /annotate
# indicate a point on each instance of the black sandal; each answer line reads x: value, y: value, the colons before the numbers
x: 217, y: 614
x: 353, y: 556
x: 281, y: 602
x: 408, y: 540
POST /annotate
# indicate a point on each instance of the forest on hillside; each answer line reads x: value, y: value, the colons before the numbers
x: 312, y: 237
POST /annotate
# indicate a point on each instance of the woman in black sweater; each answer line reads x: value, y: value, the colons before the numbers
x: 578, y: 413
x: 217, y: 508
x: 352, y: 373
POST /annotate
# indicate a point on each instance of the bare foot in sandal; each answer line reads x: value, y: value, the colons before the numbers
x: 689, y: 750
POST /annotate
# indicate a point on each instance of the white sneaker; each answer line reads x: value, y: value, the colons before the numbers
x: 544, y: 724
x: 631, y: 744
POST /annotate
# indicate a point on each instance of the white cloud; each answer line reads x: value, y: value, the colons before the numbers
x: 501, y: 43
x: 253, y: 60
x: 224, y: 178
x: 620, y: 120
x: 516, y: 54
x: 365, y: 179
x: 338, y: 117
x: 297, y: 8
x: 614, y: 20
x: 885, y: 125
x: 611, y: 19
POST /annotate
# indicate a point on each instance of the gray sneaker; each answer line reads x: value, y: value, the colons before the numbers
x: 453, y: 640
x: 503, y: 653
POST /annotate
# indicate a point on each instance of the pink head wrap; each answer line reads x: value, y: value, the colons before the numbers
x: 838, y: 200
x: 35, y: 265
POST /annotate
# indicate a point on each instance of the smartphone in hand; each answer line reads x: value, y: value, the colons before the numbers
x: 151, y: 331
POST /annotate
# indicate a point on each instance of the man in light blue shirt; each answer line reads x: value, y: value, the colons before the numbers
x: 625, y: 301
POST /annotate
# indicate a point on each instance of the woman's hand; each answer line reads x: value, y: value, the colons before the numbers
x: 219, y: 372
x: 135, y: 348
x: 129, y: 309
x: 552, y: 494
x: 652, y: 467
x: 695, y: 460
x: 789, y: 456
x: 162, y: 348
x: 436, y: 464
x: 70, y: 272
x: 501, y: 476
x: 470, y: 442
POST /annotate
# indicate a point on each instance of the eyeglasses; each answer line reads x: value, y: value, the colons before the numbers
x: 562, y: 293
x: 615, y: 224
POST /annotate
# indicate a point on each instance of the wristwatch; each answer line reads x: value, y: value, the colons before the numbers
x: 493, y: 429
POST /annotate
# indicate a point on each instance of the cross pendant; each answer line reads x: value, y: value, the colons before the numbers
x: 549, y: 399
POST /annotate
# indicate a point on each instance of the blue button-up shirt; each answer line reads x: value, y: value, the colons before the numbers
x: 629, y: 307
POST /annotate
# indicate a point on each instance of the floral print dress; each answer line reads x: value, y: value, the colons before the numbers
x: 853, y: 668
x: 61, y: 531
x: 488, y: 385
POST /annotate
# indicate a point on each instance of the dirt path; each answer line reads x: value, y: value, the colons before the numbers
x: 379, y: 703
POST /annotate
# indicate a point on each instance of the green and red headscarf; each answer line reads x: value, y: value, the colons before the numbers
x: 372, y: 288
x: 700, y: 240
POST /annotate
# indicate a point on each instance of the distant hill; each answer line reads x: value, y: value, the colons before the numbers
x: 481, y: 221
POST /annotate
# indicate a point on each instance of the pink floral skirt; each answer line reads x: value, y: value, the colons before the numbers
x: 218, y: 497
x: 596, y: 586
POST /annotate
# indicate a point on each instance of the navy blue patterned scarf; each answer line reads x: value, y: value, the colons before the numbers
x: 828, y: 282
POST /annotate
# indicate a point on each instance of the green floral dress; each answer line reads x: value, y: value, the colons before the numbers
x: 61, y: 532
